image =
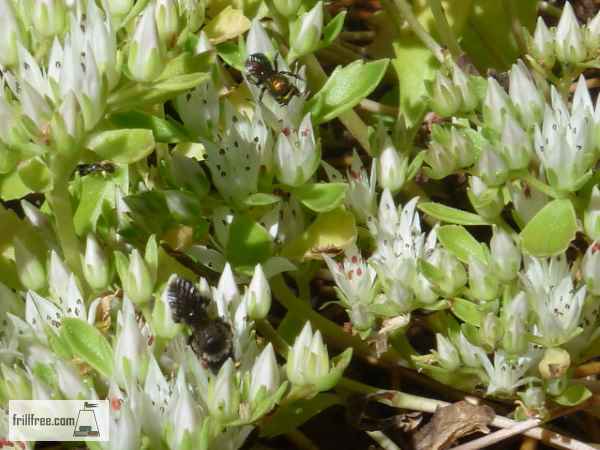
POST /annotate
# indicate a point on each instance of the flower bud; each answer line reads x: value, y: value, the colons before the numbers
x: 163, y: 324
x: 496, y: 106
x: 592, y: 34
x: 130, y: 346
x: 488, y: 202
x: 447, y: 355
x: 483, y: 282
x: 445, y: 97
x: 492, y: 168
x: 166, y: 15
x: 506, y: 255
x: 441, y: 161
x: 453, y: 275
x: 591, y: 215
x: 287, y: 8
x: 489, y: 331
x: 514, y: 321
x: 469, y: 353
x: 465, y: 87
x: 525, y: 96
x: 258, y: 296
x: 534, y: 398
x: 145, y: 60
x: 136, y: 278
x: 15, y: 383
x: 223, y: 397
x: 591, y: 268
x: 265, y: 374
x: 542, y: 44
x: 203, y: 46
x: 49, y: 17
x: 423, y: 290
x: 31, y: 270
x: 391, y: 167
x: 296, y: 160
x: 305, y: 34
x: 96, y: 267
x: 119, y: 8
x: 516, y: 145
x: 554, y: 363
x: 570, y: 43
x: 69, y: 381
x: 9, y: 34
x: 308, y: 362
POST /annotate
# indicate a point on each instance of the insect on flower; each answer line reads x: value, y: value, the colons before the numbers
x: 211, y: 338
x: 99, y: 167
x: 263, y: 74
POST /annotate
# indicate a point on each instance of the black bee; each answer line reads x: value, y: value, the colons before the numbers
x: 268, y: 78
x: 103, y: 167
x: 211, y: 338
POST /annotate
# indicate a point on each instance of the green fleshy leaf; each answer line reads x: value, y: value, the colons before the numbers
x: 292, y: 415
x: 164, y: 130
x: 230, y: 53
x: 12, y: 187
x: 332, y: 29
x: 151, y: 255
x: 551, y: 230
x: 89, y: 344
x: 185, y: 172
x: 345, y: 88
x: 185, y: 207
x: 466, y: 311
x: 458, y: 241
x: 95, y: 191
x: 573, y: 395
x: 122, y: 146
x: 147, y: 209
x: 249, y: 243
x: 261, y: 199
x: 35, y: 174
x: 330, y: 232
x: 228, y: 24
x: 321, y: 197
x: 451, y: 215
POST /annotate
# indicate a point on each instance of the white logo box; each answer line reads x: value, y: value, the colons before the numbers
x: 58, y: 420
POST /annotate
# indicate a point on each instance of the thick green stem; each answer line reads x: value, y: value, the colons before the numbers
x: 420, y: 32
x: 444, y: 29
x: 60, y: 201
x: 349, y: 119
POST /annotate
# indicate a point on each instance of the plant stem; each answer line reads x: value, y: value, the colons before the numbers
x: 60, y: 201
x: 384, y: 442
x: 349, y: 119
x: 417, y: 28
x: 265, y: 328
x: 300, y: 440
x: 444, y: 29
x: 378, y: 108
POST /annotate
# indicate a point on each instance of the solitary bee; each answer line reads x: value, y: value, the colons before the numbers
x: 102, y: 167
x: 268, y: 78
x: 211, y: 338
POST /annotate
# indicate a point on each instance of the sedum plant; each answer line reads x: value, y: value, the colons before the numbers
x: 171, y: 169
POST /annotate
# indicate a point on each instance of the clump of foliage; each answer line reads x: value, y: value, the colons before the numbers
x: 454, y: 222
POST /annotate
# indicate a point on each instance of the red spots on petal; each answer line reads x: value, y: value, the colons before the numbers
x: 115, y: 404
x: 286, y: 131
x: 359, y: 272
x: 305, y: 132
x: 526, y: 190
x: 354, y: 174
x: 354, y: 259
x: 595, y: 247
x: 340, y: 266
x: 150, y: 340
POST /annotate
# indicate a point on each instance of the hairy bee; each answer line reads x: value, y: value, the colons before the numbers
x: 211, y: 338
x: 102, y: 167
x: 262, y: 73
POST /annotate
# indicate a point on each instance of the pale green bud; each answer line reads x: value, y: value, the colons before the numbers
x: 555, y: 363
x: 145, y: 59
x: 506, y: 255
x: 31, y: 270
x: 591, y: 268
x: 570, y: 42
x: 258, y: 296
x: 447, y: 355
x: 96, y: 267
x: 167, y: 21
x: 483, y: 282
x: 305, y: 33
x: 445, y: 97
x: 49, y: 17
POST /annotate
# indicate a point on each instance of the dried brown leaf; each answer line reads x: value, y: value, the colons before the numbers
x: 451, y: 423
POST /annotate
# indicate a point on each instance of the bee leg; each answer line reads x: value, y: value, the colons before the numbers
x: 262, y: 93
x: 291, y: 74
